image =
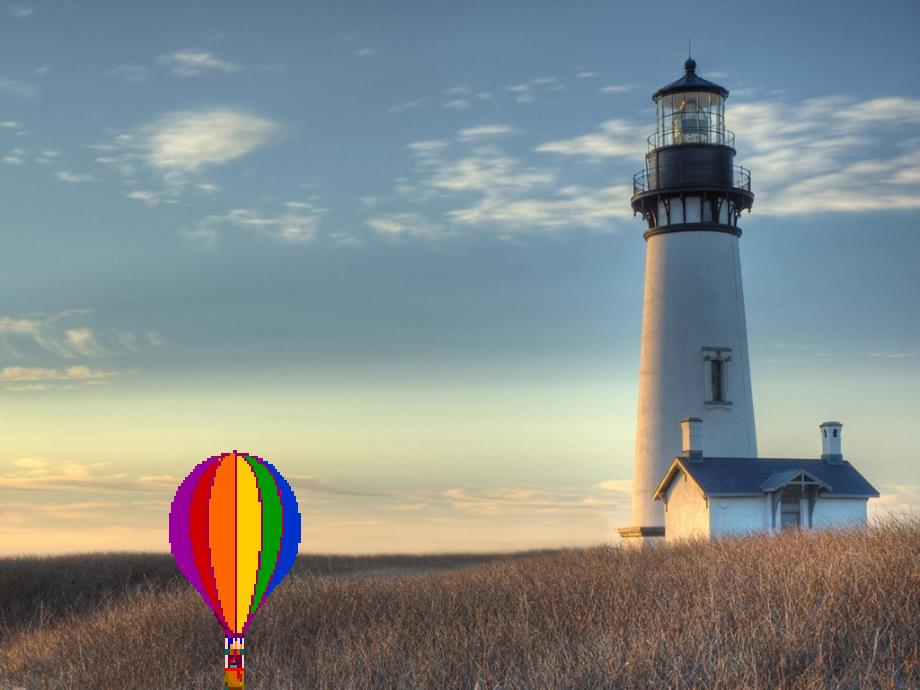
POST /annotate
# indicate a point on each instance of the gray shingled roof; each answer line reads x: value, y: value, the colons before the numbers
x: 728, y: 476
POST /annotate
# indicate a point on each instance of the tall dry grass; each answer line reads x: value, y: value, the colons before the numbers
x: 798, y: 610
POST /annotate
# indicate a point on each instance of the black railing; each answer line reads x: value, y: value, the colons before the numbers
x: 696, y: 135
x: 677, y: 176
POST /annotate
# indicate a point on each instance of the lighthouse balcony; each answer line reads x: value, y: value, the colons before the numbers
x: 686, y: 197
x: 663, y: 178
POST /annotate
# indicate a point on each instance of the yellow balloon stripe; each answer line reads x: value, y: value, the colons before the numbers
x: 222, y: 538
x: 248, y: 539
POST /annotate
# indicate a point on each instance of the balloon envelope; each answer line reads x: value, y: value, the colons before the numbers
x: 234, y: 530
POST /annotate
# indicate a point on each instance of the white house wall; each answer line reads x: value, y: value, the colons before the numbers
x: 737, y: 515
x: 686, y: 516
x: 839, y: 512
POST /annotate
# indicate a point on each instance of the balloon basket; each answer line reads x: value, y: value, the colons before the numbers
x: 234, y: 649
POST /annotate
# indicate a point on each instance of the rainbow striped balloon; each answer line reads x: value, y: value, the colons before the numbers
x: 234, y: 529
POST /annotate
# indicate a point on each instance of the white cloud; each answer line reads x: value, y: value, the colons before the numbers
x: 490, y: 190
x: 128, y: 341
x: 83, y: 341
x: 155, y: 339
x: 190, y: 141
x: 146, y: 196
x: 523, y: 500
x: 459, y: 90
x: 427, y: 146
x: 51, y: 157
x: 177, y: 146
x: 620, y: 485
x: 457, y: 104
x: 20, y: 89
x: 74, y: 373
x: 363, y: 52
x: 488, y: 173
x: 133, y: 74
x: 12, y: 159
x: 40, y: 474
x: 192, y: 63
x: 616, y: 138
x: 896, y: 500
x: 296, y: 224
x: 44, y: 331
x: 585, y: 74
x: 73, y: 178
x: 9, y: 124
x: 484, y: 132
x: 617, y: 88
x: 407, y: 105
x: 405, y: 225
x: 830, y: 154
x: 579, y: 208
x: 522, y: 93
x: 55, y: 334
x: 820, y: 155
x: 21, y: 11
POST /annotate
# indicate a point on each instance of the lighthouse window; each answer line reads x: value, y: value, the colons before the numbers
x: 717, y: 380
x: 707, y: 211
x: 835, y: 433
x: 692, y: 204
x: 677, y: 212
x: 715, y: 371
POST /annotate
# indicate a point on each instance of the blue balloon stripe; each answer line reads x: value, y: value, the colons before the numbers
x: 290, y: 529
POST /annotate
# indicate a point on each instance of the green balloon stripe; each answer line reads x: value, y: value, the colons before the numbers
x: 271, y: 529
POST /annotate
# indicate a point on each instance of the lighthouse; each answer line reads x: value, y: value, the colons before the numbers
x: 694, y: 355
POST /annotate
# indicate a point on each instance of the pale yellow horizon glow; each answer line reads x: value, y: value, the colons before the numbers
x: 413, y: 468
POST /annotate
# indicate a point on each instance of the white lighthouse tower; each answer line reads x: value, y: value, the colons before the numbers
x: 694, y: 358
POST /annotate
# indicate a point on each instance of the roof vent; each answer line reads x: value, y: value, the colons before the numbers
x: 830, y: 442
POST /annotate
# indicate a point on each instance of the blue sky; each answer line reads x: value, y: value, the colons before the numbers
x: 388, y: 246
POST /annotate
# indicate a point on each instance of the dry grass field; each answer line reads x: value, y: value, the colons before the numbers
x: 798, y: 610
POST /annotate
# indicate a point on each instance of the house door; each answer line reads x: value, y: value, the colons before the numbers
x: 790, y: 505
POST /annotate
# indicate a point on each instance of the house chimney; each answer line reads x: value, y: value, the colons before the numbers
x: 691, y: 431
x: 830, y: 443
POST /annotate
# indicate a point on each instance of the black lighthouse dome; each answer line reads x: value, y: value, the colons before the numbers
x: 690, y: 181
x: 690, y: 82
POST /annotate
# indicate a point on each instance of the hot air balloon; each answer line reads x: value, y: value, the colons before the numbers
x: 234, y: 529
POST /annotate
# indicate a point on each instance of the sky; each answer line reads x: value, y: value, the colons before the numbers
x: 389, y: 248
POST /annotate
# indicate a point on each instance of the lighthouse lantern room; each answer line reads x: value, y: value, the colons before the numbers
x: 689, y: 175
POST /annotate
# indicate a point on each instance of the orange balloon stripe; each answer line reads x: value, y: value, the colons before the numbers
x: 222, y: 535
x: 248, y: 540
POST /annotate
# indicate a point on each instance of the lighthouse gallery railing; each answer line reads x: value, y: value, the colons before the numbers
x: 677, y: 175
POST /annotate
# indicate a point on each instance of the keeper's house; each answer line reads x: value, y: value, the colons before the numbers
x: 712, y: 497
